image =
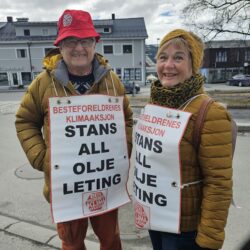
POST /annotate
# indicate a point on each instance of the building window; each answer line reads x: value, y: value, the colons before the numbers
x: 26, y: 78
x: 14, y: 78
x: 247, y: 56
x: 127, y: 49
x: 4, y: 79
x: 108, y: 49
x: 221, y: 56
x: 132, y: 74
x: 26, y: 32
x: 21, y: 53
x: 45, y: 32
x: 106, y: 30
x: 138, y: 74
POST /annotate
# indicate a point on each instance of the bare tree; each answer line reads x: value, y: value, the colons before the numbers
x: 212, y: 18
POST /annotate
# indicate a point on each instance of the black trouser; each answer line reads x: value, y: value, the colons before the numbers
x: 170, y: 241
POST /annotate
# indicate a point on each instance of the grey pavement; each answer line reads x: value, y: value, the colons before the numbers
x: 25, y: 216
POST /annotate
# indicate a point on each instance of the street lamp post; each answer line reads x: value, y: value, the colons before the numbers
x: 30, y: 60
x: 158, y: 40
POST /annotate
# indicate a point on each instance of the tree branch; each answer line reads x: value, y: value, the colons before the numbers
x: 224, y: 16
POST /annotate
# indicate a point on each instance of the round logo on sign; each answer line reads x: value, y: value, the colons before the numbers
x: 67, y: 20
x: 95, y: 201
x: 141, y: 217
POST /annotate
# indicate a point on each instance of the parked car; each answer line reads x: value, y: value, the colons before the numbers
x: 239, y: 80
x: 129, y: 87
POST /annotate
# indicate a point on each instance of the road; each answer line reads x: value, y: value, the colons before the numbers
x: 11, y: 100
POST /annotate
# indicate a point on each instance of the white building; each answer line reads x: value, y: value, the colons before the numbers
x: 23, y: 45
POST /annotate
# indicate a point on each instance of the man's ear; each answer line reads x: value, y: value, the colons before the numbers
x: 60, y: 46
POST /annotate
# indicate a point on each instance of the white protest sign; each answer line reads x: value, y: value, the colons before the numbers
x: 89, y: 158
x: 157, y: 178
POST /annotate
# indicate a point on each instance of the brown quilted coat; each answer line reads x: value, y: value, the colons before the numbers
x: 205, y: 205
x: 32, y: 116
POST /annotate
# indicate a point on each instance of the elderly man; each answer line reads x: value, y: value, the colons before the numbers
x: 73, y: 69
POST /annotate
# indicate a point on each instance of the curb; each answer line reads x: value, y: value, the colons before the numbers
x: 48, y: 237
x: 43, y: 235
x: 3, y: 90
x: 243, y: 127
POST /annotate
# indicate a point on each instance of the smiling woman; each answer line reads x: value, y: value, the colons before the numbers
x: 174, y: 63
x: 205, y: 181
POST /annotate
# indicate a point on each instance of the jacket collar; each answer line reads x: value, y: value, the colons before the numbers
x: 57, y: 67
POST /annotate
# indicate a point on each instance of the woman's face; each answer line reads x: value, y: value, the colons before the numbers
x: 174, y: 65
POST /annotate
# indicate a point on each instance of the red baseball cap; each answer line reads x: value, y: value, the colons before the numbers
x: 77, y: 23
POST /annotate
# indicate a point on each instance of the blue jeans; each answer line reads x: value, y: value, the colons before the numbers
x: 171, y: 241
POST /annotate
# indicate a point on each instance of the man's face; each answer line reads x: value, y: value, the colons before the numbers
x: 78, y: 54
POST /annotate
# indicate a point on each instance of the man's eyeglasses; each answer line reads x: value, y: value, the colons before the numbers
x: 85, y: 42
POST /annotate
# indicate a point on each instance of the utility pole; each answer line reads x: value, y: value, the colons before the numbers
x: 30, y: 61
x: 158, y: 43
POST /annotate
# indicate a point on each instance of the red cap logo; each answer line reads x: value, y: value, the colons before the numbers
x: 67, y: 20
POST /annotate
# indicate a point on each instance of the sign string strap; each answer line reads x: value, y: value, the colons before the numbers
x: 113, y: 84
x: 190, y: 184
x: 54, y: 86
x: 185, y: 104
x: 65, y: 91
x: 107, y: 86
x: 56, y: 89
x: 114, y: 89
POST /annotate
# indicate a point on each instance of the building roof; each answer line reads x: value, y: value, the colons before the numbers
x: 103, y: 23
x: 120, y: 29
x: 2, y: 24
x: 28, y: 24
x: 7, y: 32
x: 125, y: 28
x: 227, y: 44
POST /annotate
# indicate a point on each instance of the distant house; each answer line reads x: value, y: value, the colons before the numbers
x: 23, y: 45
x: 224, y: 59
x: 151, y: 50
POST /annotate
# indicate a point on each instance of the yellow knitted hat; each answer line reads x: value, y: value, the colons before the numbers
x: 195, y: 44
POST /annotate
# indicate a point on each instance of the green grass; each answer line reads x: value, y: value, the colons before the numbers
x: 233, y: 99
